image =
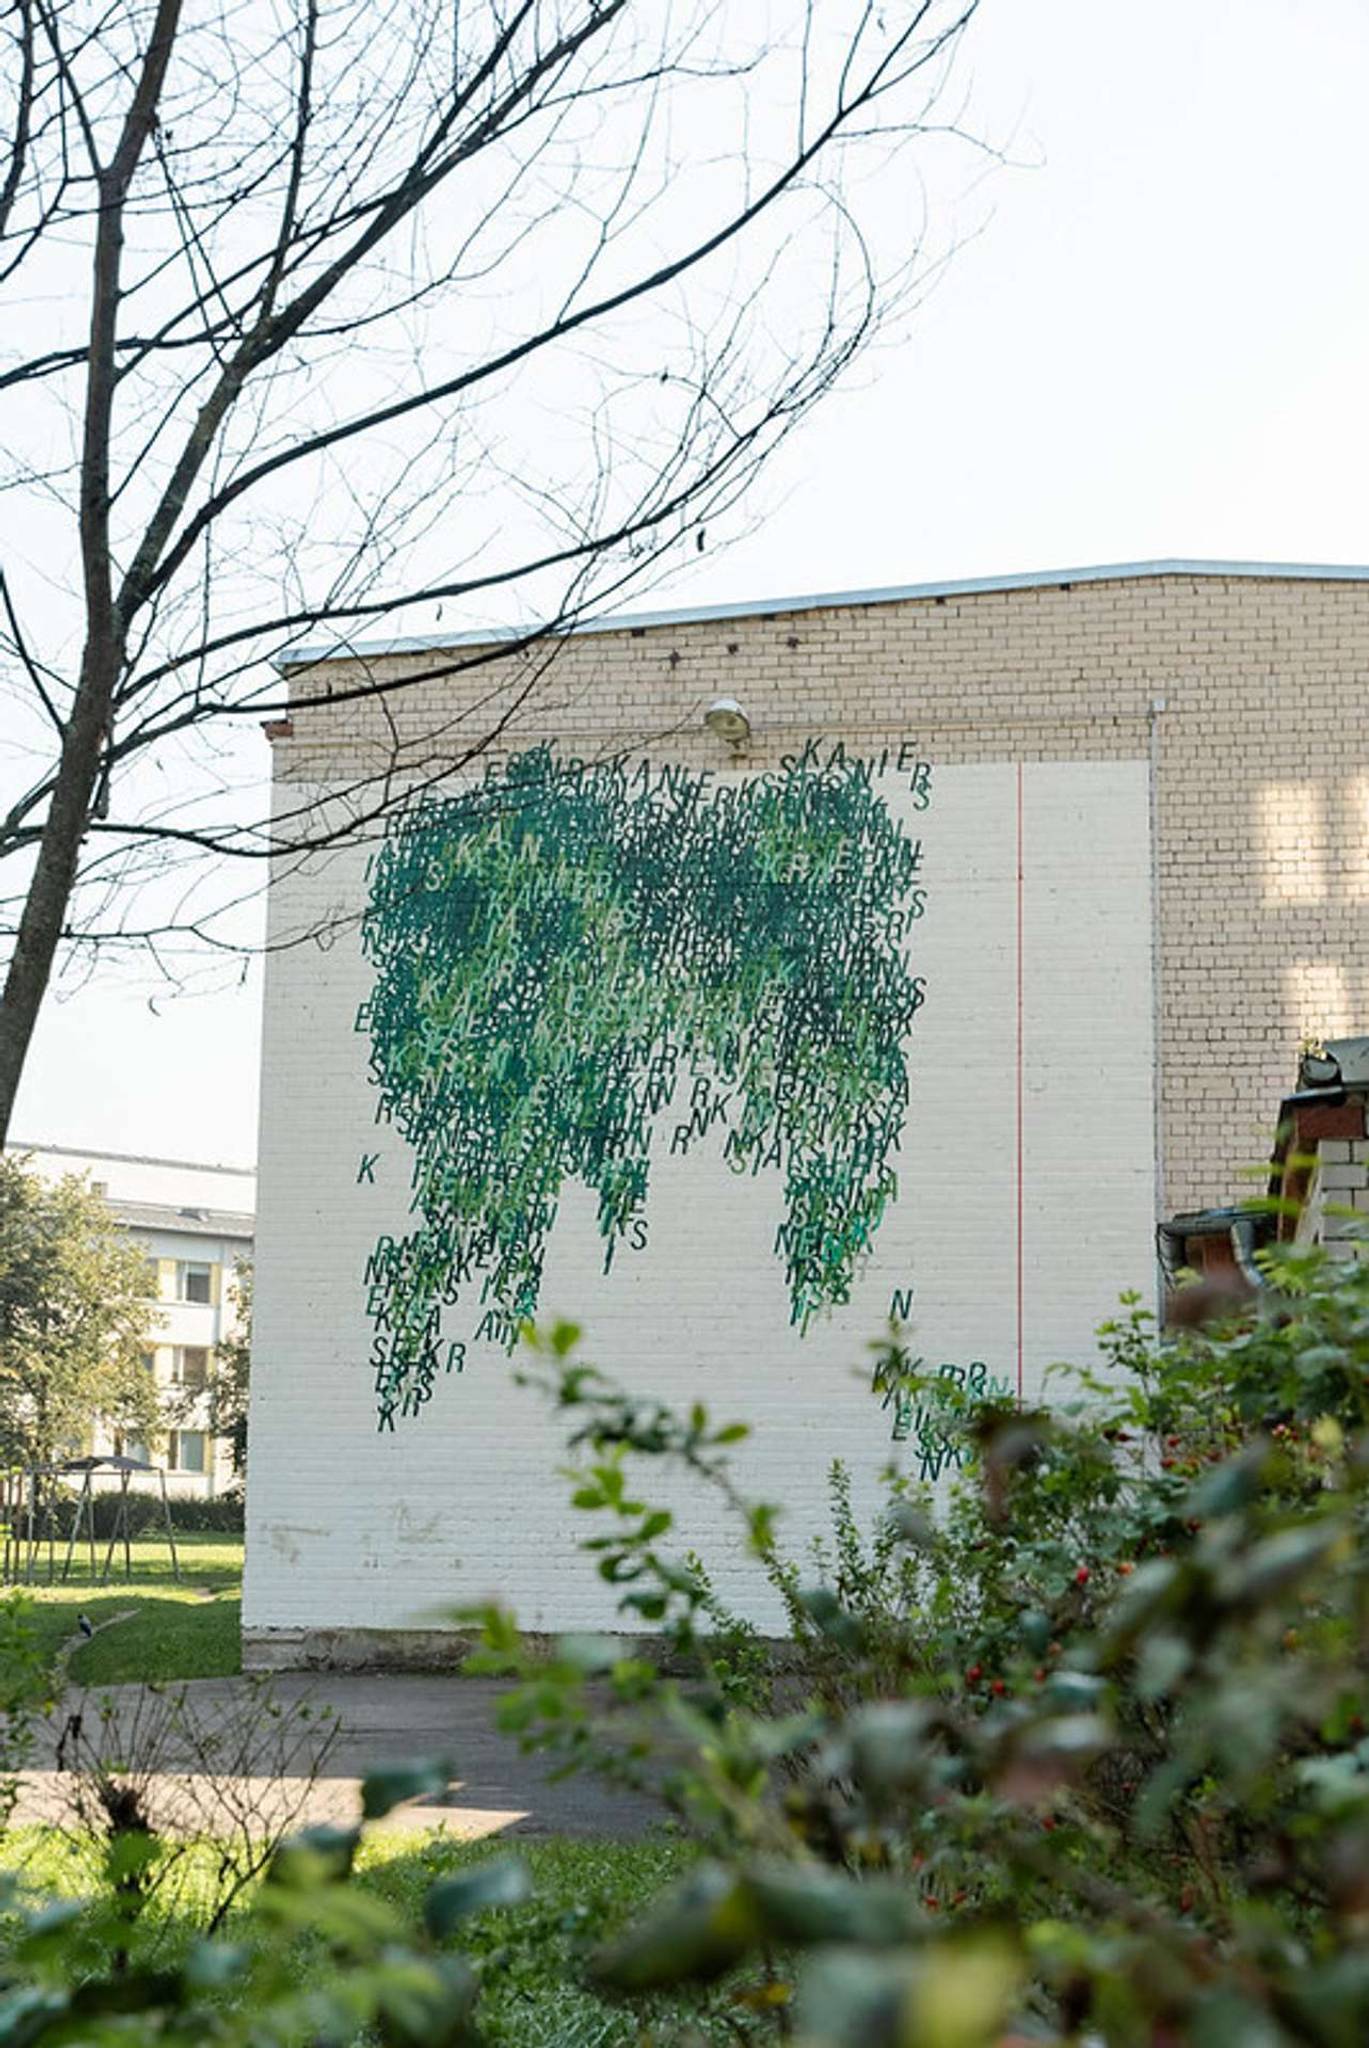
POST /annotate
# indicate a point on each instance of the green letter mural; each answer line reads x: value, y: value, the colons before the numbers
x: 580, y: 970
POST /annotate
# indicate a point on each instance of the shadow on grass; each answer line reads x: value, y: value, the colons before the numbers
x: 176, y: 1628
x: 162, y: 1638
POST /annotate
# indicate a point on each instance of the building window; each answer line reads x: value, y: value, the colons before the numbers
x: 185, y: 1450
x: 192, y: 1281
x: 190, y: 1367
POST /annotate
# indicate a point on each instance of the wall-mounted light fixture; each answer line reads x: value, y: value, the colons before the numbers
x: 726, y: 718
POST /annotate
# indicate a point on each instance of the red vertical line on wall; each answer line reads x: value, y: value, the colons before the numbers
x: 1020, y: 1192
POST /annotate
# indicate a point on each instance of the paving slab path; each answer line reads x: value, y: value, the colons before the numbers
x: 381, y: 1720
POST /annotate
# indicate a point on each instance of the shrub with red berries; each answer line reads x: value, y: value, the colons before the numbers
x: 1085, y: 1741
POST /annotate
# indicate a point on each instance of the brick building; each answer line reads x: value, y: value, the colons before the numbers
x: 1147, y: 879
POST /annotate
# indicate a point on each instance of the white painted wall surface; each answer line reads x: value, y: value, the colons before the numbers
x: 350, y: 1528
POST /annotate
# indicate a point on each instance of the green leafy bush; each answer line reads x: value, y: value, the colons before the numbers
x: 144, y: 1515
x: 1084, y: 1760
x: 98, y: 1970
x: 223, y: 1515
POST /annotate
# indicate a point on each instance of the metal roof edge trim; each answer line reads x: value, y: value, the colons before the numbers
x: 966, y: 586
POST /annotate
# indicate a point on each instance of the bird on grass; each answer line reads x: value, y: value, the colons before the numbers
x: 85, y: 1624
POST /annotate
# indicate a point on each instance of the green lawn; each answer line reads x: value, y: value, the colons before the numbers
x: 531, y: 1958
x: 185, y: 1629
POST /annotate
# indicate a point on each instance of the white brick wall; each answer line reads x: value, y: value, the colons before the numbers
x: 351, y: 1529
x: 1262, y: 795
x: 1335, y: 1212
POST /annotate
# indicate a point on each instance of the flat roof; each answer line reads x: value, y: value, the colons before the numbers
x: 126, y: 1158
x: 193, y: 1222
x: 969, y: 586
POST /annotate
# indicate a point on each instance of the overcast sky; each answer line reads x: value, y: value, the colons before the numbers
x: 1154, y: 344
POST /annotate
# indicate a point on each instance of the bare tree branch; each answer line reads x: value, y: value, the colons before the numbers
x: 322, y: 274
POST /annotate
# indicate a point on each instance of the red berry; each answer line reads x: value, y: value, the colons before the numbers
x: 998, y: 1687
x: 1048, y: 1823
x: 1040, y: 1674
x: 1081, y: 1577
x: 974, y: 1674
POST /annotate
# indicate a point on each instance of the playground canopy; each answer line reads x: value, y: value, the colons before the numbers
x: 31, y: 1513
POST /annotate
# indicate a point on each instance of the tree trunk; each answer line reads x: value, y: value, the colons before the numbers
x: 83, y: 742
x: 45, y: 908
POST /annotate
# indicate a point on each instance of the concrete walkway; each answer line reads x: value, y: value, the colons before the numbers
x: 495, y: 1789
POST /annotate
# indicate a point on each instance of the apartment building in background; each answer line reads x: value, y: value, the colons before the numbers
x: 193, y: 1223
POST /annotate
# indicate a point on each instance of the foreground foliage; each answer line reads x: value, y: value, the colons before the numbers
x: 81, y: 1970
x: 1084, y: 1761
x: 528, y: 1955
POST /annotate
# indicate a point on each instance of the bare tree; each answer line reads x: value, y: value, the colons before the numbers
x: 188, y: 1797
x: 320, y: 317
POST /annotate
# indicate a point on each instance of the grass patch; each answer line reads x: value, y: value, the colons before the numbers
x: 186, y: 1628
x: 531, y: 1958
